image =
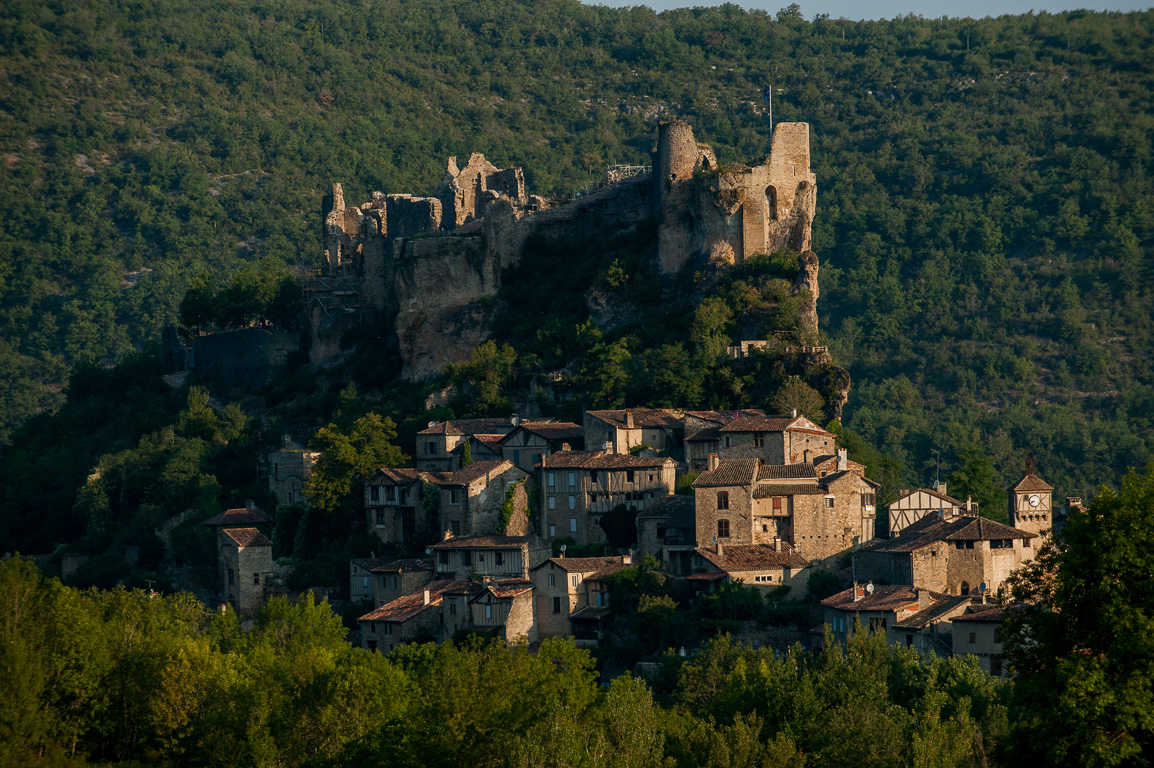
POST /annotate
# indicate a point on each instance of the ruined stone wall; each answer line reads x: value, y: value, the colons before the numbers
x: 409, y: 216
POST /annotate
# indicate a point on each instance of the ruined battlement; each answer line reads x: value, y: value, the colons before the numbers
x: 428, y: 266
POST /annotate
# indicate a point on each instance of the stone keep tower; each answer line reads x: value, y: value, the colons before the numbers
x: 1030, y: 503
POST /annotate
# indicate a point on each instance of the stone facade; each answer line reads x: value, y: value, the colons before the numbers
x: 950, y: 555
x: 565, y: 586
x: 471, y: 498
x: 667, y: 530
x: 502, y: 557
x: 1031, y: 504
x: 247, y: 568
x: 438, y: 444
x: 764, y: 567
x: 531, y: 441
x: 398, y: 578
x: 622, y: 430
x: 289, y: 470
x: 978, y: 632
x: 577, y: 488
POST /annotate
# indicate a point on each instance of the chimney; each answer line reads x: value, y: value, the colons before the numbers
x: 426, y: 597
x: 942, y: 489
x: 1074, y: 502
x: 842, y: 459
x: 776, y: 544
x: 713, y: 461
x: 903, y: 492
x: 720, y: 549
x: 249, y: 504
x: 627, y: 559
x: 794, y: 413
x: 924, y: 599
x: 566, y: 447
x: 447, y: 535
x: 629, y: 419
x: 857, y: 593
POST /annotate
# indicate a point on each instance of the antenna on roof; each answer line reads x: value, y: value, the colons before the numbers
x: 564, y: 547
x: 428, y: 551
x: 433, y: 423
x: 515, y: 420
x: 870, y: 587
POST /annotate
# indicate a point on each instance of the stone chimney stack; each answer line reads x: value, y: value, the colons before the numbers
x: 942, y: 489
x: 924, y: 599
x: 720, y: 549
x: 427, y: 597
x: 566, y: 447
x: 629, y: 420
x: 713, y: 461
x: 776, y: 544
x: 794, y: 413
x: 842, y: 459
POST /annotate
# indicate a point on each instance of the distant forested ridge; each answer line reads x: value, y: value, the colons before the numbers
x: 985, y: 205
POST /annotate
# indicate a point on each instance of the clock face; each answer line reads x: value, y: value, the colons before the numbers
x: 1034, y: 500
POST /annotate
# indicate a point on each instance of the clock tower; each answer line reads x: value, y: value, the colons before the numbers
x: 1030, y: 503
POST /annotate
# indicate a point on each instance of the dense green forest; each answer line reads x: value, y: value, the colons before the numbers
x: 985, y: 213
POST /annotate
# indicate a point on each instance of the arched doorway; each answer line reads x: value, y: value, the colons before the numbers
x: 964, y: 589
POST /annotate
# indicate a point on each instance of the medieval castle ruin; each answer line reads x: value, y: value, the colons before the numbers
x: 429, y: 267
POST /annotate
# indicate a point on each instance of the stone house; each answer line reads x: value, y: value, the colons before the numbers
x: 911, y: 506
x: 577, y: 488
x: 249, y: 515
x: 978, y: 632
x: 289, y: 470
x: 394, y: 508
x: 361, y: 578
x: 668, y: 531
x: 397, y: 578
x: 695, y: 421
x: 571, y: 595
x: 531, y: 441
x: 950, y: 555
x: 930, y: 630
x: 502, y: 557
x: 471, y: 498
x: 1031, y: 504
x: 415, y: 617
x: 876, y: 607
x: 247, y: 568
x: 437, y: 443
x: 620, y: 431
x: 765, y: 567
x: 500, y: 608
x: 744, y: 502
x: 481, y: 448
x: 770, y: 439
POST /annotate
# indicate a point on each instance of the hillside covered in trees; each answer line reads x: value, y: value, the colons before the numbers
x: 985, y: 216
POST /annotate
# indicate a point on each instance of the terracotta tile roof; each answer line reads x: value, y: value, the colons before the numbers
x: 986, y: 614
x: 405, y: 476
x: 760, y: 424
x: 550, y: 430
x: 492, y: 442
x: 724, y: 417
x: 247, y: 537
x: 482, y: 542
x: 469, y: 427
x: 947, y: 499
x: 678, y: 511
x: 833, y: 477
x: 709, y: 434
x: 707, y: 576
x: 936, y: 612
x: 599, y: 460
x: 477, y: 470
x: 884, y: 598
x: 1032, y: 482
x: 586, y: 564
x: 766, y: 490
x: 829, y: 464
x: 507, y: 588
x: 408, y: 606
x: 786, y: 471
x: 753, y: 557
x: 729, y: 472
x: 932, y: 529
x: 243, y: 516
x: 404, y: 564
x: 369, y: 563
x: 642, y: 417
x: 589, y: 613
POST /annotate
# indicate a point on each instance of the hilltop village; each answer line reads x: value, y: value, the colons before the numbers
x: 515, y: 527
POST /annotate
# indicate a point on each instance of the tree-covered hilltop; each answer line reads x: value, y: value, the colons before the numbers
x: 985, y: 209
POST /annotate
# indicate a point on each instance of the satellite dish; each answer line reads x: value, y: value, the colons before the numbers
x: 515, y: 420
x: 982, y: 588
x: 564, y: 547
x: 428, y: 551
x: 433, y: 423
x: 870, y: 587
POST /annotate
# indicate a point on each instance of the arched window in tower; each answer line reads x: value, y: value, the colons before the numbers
x: 964, y: 589
x: 771, y: 200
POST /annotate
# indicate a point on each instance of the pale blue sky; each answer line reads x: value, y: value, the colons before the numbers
x: 888, y: 9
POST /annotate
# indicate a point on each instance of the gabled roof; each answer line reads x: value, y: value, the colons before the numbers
x: 724, y: 417
x: 937, y: 611
x: 600, y: 460
x: 488, y: 442
x: 404, y: 476
x: 506, y: 588
x: 833, y: 477
x: 709, y: 434
x: 482, y: 542
x: 477, y: 470
x: 642, y: 417
x: 469, y: 427
x: 1032, y: 482
x: 403, y: 565
x: 729, y: 472
x: 244, y: 516
x: 884, y: 598
x: 550, y: 430
x: 829, y: 464
x: 408, y: 606
x: 677, y: 510
x: 932, y: 529
x: 247, y: 537
x: 369, y: 563
x: 774, y: 424
x: 590, y: 613
x: 768, y: 490
x: 985, y: 614
x: 929, y: 491
x: 786, y: 472
x: 585, y: 564
x: 753, y: 557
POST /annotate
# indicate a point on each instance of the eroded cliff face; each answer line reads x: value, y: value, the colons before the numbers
x: 429, y: 269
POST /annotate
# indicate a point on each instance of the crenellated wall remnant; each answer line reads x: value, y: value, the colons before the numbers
x: 429, y: 268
